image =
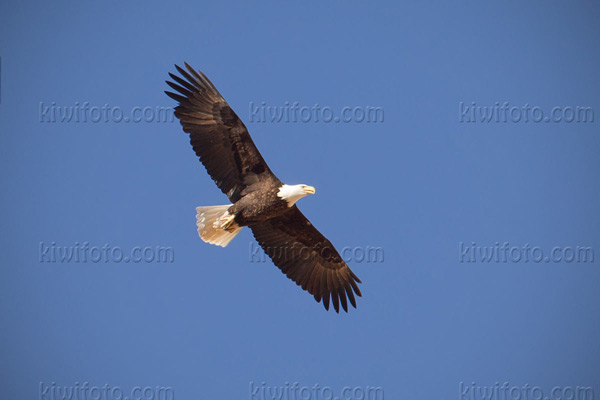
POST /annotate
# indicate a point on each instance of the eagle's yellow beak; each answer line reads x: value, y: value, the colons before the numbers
x: 309, y: 189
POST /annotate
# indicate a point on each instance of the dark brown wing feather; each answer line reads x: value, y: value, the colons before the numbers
x: 218, y: 136
x: 308, y: 258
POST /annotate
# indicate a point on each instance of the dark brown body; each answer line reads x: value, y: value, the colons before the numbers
x: 258, y: 206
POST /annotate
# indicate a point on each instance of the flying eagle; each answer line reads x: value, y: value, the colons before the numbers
x: 259, y: 200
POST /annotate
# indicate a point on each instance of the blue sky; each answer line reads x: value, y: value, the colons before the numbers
x: 211, y: 323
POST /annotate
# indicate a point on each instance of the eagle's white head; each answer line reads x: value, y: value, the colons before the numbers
x: 293, y: 193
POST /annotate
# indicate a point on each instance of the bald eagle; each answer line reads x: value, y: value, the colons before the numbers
x: 259, y: 200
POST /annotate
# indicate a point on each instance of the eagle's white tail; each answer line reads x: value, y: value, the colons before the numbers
x: 215, y: 225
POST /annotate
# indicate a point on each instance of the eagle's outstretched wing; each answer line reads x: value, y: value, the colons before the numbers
x: 308, y: 258
x: 218, y: 136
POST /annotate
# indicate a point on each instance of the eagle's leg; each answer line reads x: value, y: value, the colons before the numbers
x: 227, y: 222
